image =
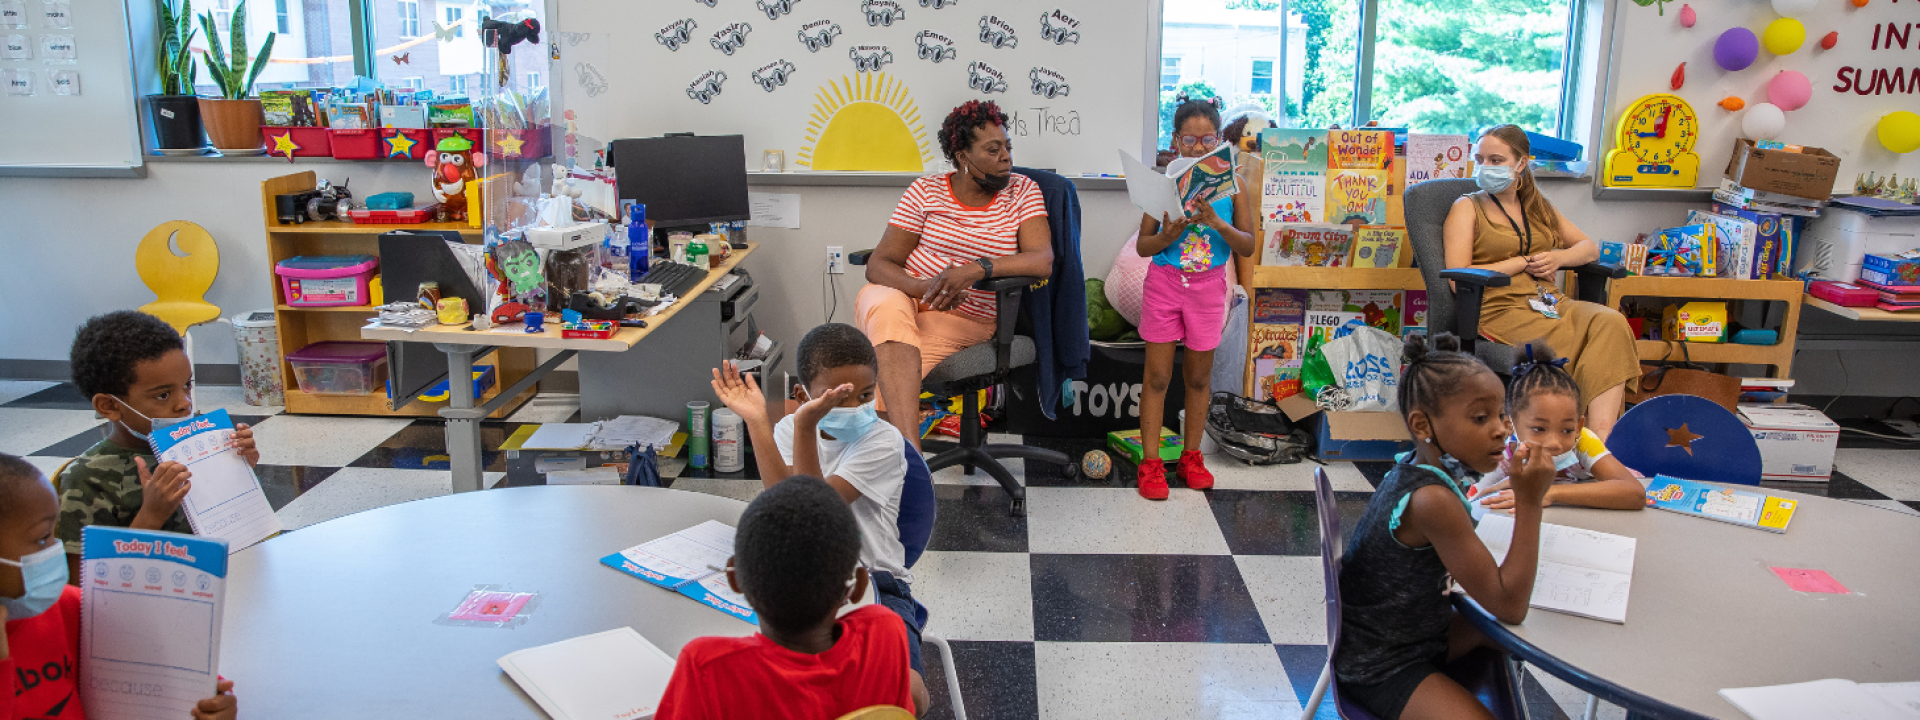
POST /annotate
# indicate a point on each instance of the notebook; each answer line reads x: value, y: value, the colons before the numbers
x: 688, y: 562
x: 224, y: 500
x: 1581, y: 572
x: 1740, y: 507
x: 150, y: 609
x: 612, y: 675
x: 1840, y: 699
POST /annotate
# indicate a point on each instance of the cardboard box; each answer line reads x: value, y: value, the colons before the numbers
x: 1127, y: 444
x: 1901, y: 269
x: 1695, y: 322
x: 1351, y: 436
x: 1809, y: 173
x: 1796, y: 442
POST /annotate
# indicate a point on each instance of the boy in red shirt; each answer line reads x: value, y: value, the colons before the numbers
x: 796, y: 559
x: 40, y: 649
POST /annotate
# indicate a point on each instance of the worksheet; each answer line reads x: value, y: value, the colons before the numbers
x: 150, y: 609
x: 225, y: 500
x: 1833, y: 698
x: 612, y: 675
x: 1581, y: 572
x: 691, y: 562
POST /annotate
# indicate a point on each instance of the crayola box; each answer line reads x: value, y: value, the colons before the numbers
x: 1695, y: 322
x: 1127, y: 443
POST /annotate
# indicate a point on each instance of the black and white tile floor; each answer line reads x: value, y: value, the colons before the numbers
x: 1097, y: 604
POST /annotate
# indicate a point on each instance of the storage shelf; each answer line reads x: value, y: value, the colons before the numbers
x: 1779, y: 355
x: 345, y: 228
x: 367, y: 310
x: 1869, y: 314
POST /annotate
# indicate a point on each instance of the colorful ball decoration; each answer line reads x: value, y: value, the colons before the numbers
x: 1763, y: 121
x: 1736, y: 49
x: 1900, y: 131
x: 1794, y: 8
x: 1789, y: 90
x: 1784, y: 36
x: 1096, y: 464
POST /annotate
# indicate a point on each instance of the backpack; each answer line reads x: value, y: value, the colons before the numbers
x: 1255, y: 433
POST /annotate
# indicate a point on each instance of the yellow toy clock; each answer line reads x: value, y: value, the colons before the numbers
x: 1653, y: 147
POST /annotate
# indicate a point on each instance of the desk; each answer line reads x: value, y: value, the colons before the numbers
x: 1869, y: 314
x: 462, y: 344
x: 336, y: 620
x: 1707, y: 614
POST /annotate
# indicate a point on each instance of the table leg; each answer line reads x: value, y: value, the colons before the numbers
x: 463, y: 429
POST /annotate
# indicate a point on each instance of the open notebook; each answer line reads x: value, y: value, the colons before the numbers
x: 688, y: 562
x: 1582, y: 572
x: 1828, y: 699
x: 612, y: 675
x: 225, y: 500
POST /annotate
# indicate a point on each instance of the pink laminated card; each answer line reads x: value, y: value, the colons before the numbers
x: 485, y: 606
x: 1805, y: 580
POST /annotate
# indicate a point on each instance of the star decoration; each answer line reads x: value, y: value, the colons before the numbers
x: 284, y: 144
x: 509, y: 145
x: 1682, y: 438
x: 400, y: 145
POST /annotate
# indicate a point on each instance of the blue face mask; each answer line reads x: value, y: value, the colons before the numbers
x: 1494, y: 179
x: 847, y: 423
x: 153, y: 423
x: 45, y: 575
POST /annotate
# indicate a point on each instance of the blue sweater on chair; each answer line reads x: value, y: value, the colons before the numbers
x: 1058, y: 308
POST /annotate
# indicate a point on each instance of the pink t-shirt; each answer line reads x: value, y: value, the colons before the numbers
x: 952, y: 234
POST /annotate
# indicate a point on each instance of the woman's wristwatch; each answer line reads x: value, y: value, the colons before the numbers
x: 986, y: 265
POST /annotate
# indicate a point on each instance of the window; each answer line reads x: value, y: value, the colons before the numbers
x: 409, y: 18
x: 1456, y: 66
x: 533, y: 81
x: 457, y: 85
x: 280, y: 17
x: 1262, y: 81
x: 223, y: 18
x: 415, y: 83
x: 305, y: 53
x: 1169, y: 73
x: 453, y: 22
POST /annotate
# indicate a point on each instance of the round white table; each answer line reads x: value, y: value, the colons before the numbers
x: 1706, y: 613
x: 336, y: 620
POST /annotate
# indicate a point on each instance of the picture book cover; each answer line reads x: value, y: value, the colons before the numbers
x: 1360, y: 149
x: 1435, y: 157
x: 1358, y: 197
x: 1613, y: 253
x: 1378, y: 246
x: 1204, y: 179
x: 1293, y: 185
x: 1326, y: 300
x: 1413, y: 314
x: 1276, y: 359
x: 1740, y: 507
x: 1279, y: 306
x: 1323, y: 326
x: 1737, y: 239
x: 1318, y: 245
x: 1376, y: 308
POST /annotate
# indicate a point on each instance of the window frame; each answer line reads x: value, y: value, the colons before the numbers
x: 409, y: 22
x: 1253, y: 75
x: 1179, y: 70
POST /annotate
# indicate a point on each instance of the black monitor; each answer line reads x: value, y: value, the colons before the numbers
x: 684, y: 180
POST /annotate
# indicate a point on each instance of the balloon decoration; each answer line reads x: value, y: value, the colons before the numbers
x: 1679, y: 77
x: 1763, y: 121
x: 1789, y: 90
x: 1832, y: 39
x: 1784, y: 36
x: 1859, y: 3
x: 1900, y: 131
x: 1732, y: 103
x: 1736, y: 49
x: 1794, y: 8
x: 1688, y: 17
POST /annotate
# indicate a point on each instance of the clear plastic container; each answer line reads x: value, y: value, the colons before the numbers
x: 340, y: 368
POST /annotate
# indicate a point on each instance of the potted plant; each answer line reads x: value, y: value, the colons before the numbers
x: 233, y: 119
x: 175, y: 110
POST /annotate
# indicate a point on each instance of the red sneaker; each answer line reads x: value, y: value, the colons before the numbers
x: 1193, y: 469
x: 1153, y: 480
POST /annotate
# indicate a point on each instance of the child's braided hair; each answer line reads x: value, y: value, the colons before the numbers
x: 1539, y: 372
x: 1433, y: 371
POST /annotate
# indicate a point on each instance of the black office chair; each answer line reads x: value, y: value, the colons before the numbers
x: 1458, y: 308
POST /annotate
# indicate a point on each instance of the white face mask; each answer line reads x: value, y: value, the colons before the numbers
x: 1494, y: 179
x: 153, y: 423
x: 1565, y: 460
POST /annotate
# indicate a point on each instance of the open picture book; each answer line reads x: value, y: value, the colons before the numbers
x: 1581, y: 572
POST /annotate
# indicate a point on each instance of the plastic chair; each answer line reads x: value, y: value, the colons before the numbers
x: 179, y: 282
x: 878, y: 712
x: 1487, y: 674
x: 1687, y: 437
x: 919, y: 508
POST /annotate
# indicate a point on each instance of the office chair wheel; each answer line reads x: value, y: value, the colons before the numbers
x: 1070, y: 471
x: 1019, y: 508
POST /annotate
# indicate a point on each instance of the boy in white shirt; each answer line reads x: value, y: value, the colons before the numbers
x: 837, y: 435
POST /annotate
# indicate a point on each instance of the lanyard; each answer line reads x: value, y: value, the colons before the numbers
x: 1526, y: 248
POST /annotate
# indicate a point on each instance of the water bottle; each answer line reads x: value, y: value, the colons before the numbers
x: 617, y: 250
x: 639, y: 243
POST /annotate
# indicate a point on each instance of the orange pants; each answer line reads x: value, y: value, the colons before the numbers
x: 888, y: 315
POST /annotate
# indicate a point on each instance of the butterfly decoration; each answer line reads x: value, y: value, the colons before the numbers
x: 574, y: 38
x: 405, y: 59
x: 443, y: 33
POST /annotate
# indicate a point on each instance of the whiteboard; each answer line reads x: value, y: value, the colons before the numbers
x: 1647, y: 48
x: 620, y: 79
x: 94, y: 132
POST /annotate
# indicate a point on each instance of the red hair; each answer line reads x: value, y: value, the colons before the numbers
x: 956, y: 132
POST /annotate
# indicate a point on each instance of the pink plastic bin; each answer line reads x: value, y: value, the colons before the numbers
x: 326, y: 281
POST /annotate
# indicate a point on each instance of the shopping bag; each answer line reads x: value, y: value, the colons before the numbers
x: 1686, y: 378
x: 1366, y: 363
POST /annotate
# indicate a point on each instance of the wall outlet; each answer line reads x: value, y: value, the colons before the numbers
x: 836, y: 259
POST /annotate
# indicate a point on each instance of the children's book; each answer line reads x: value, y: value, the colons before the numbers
x: 1375, y: 308
x: 1832, y: 698
x: 1413, y: 315
x: 150, y: 609
x: 1738, y: 240
x: 1358, y: 197
x: 1317, y: 245
x: 224, y: 500
x: 1277, y: 359
x: 1581, y: 572
x: 1189, y: 183
x: 1279, y: 306
x: 1293, y: 183
x: 1740, y: 507
x: 612, y: 675
x: 1435, y: 157
x: 1360, y: 149
x: 691, y: 562
x: 1379, y: 246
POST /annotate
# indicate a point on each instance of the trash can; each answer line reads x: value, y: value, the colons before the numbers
x: 259, y: 343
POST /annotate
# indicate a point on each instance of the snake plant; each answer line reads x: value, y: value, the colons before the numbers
x: 234, y: 77
x: 177, y: 71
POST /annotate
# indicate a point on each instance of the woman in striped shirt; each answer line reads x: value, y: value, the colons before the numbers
x: 949, y: 232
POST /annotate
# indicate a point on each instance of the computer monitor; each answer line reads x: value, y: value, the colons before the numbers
x: 684, y: 180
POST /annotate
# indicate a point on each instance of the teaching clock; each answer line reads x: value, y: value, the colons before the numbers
x: 1653, y: 145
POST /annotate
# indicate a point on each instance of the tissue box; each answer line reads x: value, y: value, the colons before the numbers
x: 1695, y: 322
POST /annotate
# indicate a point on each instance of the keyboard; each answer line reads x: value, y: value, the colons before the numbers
x: 673, y: 277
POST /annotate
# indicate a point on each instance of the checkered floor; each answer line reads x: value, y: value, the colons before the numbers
x: 1097, y: 604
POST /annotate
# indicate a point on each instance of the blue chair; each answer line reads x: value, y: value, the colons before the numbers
x: 918, y: 511
x: 1486, y: 673
x: 1686, y: 437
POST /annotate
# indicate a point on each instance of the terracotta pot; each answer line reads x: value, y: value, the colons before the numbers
x: 232, y: 124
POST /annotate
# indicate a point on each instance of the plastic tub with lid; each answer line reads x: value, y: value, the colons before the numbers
x: 326, y: 280
x: 340, y: 368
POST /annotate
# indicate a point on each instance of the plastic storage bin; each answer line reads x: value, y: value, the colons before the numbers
x: 405, y: 143
x: 259, y: 339
x: 326, y: 280
x: 340, y: 368
x: 356, y: 144
x: 307, y: 141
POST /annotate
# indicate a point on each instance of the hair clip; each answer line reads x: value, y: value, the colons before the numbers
x: 1216, y: 102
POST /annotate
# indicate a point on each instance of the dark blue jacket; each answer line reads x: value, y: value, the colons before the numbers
x: 1058, y: 308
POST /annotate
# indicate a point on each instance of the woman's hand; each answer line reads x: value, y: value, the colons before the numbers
x: 1544, y: 264
x: 946, y: 290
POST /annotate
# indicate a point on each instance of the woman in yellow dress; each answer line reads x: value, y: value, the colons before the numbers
x: 1510, y: 228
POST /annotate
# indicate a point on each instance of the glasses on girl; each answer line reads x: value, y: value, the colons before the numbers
x: 1206, y: 141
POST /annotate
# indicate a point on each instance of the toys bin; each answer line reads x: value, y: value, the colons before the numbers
x: 405, y: 143
x: 326, y: 280
x: 356, y: 144
x: 308, y: 141
x: 340, y: 368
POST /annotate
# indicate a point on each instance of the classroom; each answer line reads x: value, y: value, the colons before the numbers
x: 696, y: 358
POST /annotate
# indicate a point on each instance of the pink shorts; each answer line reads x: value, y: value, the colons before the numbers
x: 1179, y: 306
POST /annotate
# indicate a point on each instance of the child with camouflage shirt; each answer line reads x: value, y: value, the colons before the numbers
x: 135, y: 369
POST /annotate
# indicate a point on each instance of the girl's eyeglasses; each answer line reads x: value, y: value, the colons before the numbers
x: 1200, y: 140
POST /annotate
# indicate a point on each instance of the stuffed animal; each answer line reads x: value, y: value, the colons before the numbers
x: 454, y: 163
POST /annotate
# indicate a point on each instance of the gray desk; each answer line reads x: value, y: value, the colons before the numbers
x: 336, y: 620
x: 1707, y: 614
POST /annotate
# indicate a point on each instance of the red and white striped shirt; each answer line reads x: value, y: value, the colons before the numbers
x: 954, y: 234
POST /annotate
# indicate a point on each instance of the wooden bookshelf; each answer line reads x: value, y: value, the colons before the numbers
x: 300, y: 327
x: 1778, y: 356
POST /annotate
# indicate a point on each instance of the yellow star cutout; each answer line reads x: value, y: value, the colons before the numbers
x: 509, y: 145
x: 284, y: 144
x: 1682, y: 438
x: 400, y: 145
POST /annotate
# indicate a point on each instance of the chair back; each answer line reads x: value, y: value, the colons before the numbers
x: 179, y: 282
x: 1330, y: 552
x: 1686, y: 437
x: 878, y: 712
x: 1427, y: 205
x: 918, y: 506
x: 54, y: 479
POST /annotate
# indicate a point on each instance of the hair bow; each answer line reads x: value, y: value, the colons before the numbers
x: 1531, y: 364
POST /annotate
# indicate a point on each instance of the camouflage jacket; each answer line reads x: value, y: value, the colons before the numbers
x: 102, y: 487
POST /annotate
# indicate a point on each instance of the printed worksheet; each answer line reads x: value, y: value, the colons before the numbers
x: 225, y: 500
x: 688, y: 562
x: 612, y: 675
x: 1581, y: 572
x: 150, y: 610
